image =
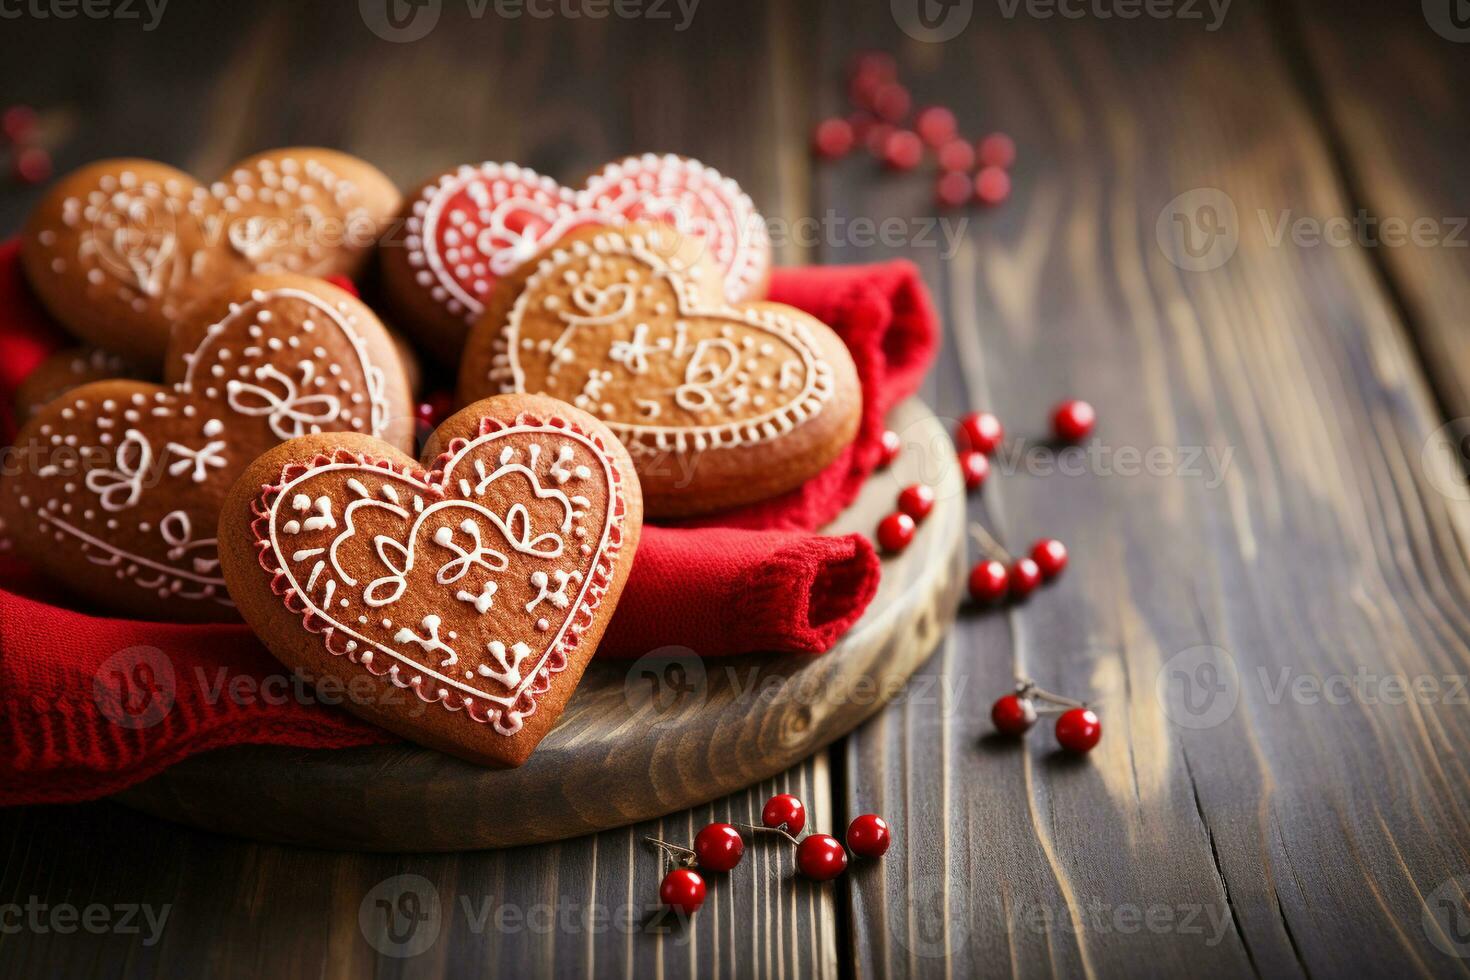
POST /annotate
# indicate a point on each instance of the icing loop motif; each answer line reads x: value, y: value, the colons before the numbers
x: 461, y: 564
x: 121, y: 248
x: 477, y: 224
x: 291, y: 412
x: 132, y: 475
x: 669, y: 370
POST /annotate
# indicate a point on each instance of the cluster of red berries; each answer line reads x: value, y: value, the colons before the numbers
x: 29, y: 161
x: 720, y: 846
x: 882, y: 120
x: 978, y: 436
x: 1078, y: 729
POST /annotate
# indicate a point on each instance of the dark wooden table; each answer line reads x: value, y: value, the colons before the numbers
x: 1269, y: 588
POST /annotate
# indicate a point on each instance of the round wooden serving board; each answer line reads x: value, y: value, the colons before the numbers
x: 638, y: 740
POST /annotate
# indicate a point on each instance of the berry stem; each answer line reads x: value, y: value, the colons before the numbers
x: 779, y: 829
x: 991, y: 547
x: 680, y: 855
x: 1026, y: 688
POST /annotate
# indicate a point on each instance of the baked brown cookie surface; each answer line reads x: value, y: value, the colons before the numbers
x: 719, y: 403
x: 114, y: 489
x: 71, y: 368
x: 120, y: 249
x: 468, y: 227
x: 458, y: 602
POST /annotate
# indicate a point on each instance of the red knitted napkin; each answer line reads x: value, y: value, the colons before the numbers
x: 90, y: 705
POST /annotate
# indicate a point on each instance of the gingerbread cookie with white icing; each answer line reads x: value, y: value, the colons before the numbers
x: 70, y: 368
x: 120, y: 249
x: 719, y: 403
x: 114, y: 489
x: 459, y: 600
x: 467, y: 228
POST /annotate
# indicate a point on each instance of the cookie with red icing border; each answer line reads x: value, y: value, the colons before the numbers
x: 114, y: 489
x: 719, y: 403
x: 458, y: 601
x: 467, y: 228
x: 118, y: 250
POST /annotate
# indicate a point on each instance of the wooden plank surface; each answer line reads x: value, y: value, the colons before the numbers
x: 1389, y: 83
x: 1264, y: 833
x: 1269, y: 831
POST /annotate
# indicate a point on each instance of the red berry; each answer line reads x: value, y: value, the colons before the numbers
x: 1078, y: 730
x: 902, y: 150
x: 975, y: 467
x: 783, y: 808
x: 32, y: 165
x: 989, y: 581
x: 996, y: 150
x: 718, y: 847
x: 892, y: 101
x: 861, y: 122
x: 820, y: 857
x: 957, y: 154
x: 877, y: 138
x: 868, y: 836
x: 18, y: 123
x: 879, y: 63
x: 980, y: 432
x: 1072, y: 421
x: 1013, y: 715
x: 992, y: 185
x: 952, y: 190
x: 896, y: 531
x: 434, y: 409
x: 916, y: 501
x: 890, y: 443
x: 936, y: 125
x: 1025, y: 577
x: 863, y: 88
x: 833, y: 139
x: 1050, y: 556
x: 682, y: 889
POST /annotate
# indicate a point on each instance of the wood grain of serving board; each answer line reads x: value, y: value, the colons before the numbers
x: 638, y: 740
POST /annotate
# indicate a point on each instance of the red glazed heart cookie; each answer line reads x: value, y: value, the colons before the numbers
x: 469, y: 227
x: 119, y: 249
x: 115, y: 488
x: 469, y: 594
x: 719, y: 403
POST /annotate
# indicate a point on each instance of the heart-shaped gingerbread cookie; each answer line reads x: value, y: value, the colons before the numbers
x: 114, y: 489
x: 119, y: 249
x: 467, y: 594
x: 67, y: 369
x: 467, y: 228
x: 720, y: 404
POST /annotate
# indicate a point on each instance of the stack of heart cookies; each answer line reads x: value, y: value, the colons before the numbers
x: 233, y: 437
